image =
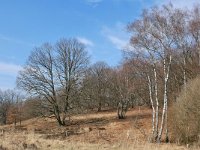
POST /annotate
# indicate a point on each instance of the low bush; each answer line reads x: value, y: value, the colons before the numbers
x: 185, y: 114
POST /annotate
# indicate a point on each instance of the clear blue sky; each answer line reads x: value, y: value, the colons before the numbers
x: 100, y: 24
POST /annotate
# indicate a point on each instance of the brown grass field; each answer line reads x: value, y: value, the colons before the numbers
x: 86, y: 132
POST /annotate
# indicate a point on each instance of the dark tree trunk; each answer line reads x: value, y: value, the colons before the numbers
x: 4, y: 118
x: 58, y: 117
x: 122, y: 109
x: 99, y: 107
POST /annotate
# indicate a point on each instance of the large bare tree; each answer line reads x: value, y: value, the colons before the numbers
x: 71, y: 63
x: 53, y: 72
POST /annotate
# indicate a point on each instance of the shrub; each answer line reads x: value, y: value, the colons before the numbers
x: 185, y: 114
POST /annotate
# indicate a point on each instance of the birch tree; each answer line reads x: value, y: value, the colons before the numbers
x: 152, y: 34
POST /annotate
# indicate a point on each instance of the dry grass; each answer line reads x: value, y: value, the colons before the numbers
x: 87, y: 132
x: 34, y: 141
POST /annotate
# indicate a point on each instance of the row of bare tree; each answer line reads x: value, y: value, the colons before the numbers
x: 15, y: 107
x: 10, y: 106
x: 60, y: 75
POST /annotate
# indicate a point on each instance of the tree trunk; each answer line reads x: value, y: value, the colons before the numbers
x: 164, y: 119
x: 153, y: 109
x: 157, y: 103
x: 166, y: 124
x: 119, y: 110
x: 57, y: 115
x: 99, y: 106
x: 122, y: 109
x: 184, y: 73
x: 4, y: 118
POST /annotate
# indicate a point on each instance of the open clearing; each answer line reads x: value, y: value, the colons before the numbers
x: 90, y: 131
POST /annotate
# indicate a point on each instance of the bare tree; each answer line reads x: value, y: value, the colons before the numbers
x: 34, y: 107
x: 71, y: 63
x: 97, y: 86
x: 122, y: 108
x: 8, y: 99
x: 15, y: 114
x: 194, y: 27
x: 182, y: 40
x: 38, y: 77
x: 153, y: 34
x: 120, y: 83
x: 5, y: 103
x: 53, y: 72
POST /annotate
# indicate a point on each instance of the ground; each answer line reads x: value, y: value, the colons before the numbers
x: 101, y: 130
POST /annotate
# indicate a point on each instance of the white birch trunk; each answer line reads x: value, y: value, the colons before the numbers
x: 184, y: 73
x: 166, y: 117
x: 153, y: 108
x: 165, y: 99
x: 157, y: 103
x: 164, y: 105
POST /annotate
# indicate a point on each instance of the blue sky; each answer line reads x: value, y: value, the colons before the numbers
x: 99, y: 24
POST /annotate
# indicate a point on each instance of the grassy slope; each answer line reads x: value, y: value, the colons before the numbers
x: 90, y: 131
